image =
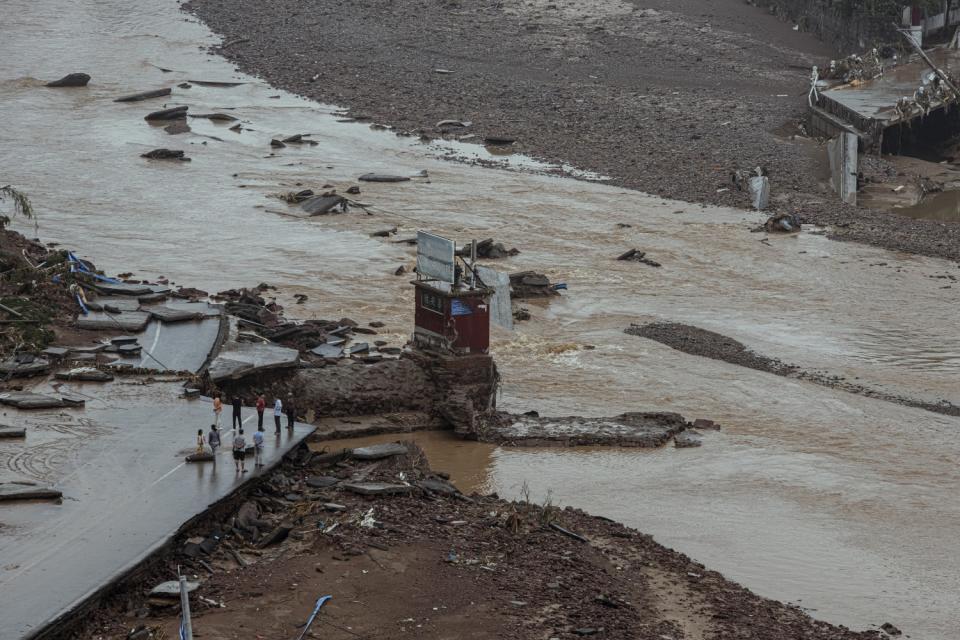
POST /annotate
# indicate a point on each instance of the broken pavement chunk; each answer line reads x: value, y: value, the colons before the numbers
x: 84, y: 374
x: 29, y: 400
x: 321, y: 482
x: 12, y: 432
x: 635, y: 255
x: 378, y: 451
x: 10, y: 491
x: 327, y: 351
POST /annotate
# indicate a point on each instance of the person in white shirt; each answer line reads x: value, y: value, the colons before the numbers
x: 277, y: 413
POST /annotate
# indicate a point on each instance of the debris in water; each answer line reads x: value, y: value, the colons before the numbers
x: 173, y: 113
x: 635, y: 255
x: 782, y: 223
x: 382, y: 177
x: 144, y: 95
x: 216, y: 117
x: 165, y: 154
x: 494, y: 250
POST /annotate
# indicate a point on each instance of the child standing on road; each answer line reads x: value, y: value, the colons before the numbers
x: 258, y: 448
x: 239, y: 451
x: 199, y: 440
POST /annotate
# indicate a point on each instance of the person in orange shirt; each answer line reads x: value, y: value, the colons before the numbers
x: 261, y: 405
x: 217, y: 409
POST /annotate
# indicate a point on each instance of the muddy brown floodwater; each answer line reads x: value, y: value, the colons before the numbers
x: 844, y: 504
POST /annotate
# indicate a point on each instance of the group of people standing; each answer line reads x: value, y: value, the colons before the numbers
x: 239, y: 440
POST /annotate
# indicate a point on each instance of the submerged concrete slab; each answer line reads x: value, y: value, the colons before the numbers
x: 625, y: 430
x: 24, y: 367
x: 179, y: 346
x: 126, y: 488
x: 237, y: 360
x: 33, y: 401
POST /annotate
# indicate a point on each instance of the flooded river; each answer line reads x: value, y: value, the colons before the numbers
x: 843, y: 504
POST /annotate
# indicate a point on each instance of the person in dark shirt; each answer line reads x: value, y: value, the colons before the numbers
x: 236, y: 422
x: 291, y: 411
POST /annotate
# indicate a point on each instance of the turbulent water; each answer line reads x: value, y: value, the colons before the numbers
x: 841, y: 503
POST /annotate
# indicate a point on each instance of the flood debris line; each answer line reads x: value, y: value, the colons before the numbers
x: 625, y: 430
x: 71, y: 80
x: 466, y: 554
x: 701, y: 342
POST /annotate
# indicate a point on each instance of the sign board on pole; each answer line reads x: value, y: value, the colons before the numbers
x: 501, y: 312
x: 435, y: 256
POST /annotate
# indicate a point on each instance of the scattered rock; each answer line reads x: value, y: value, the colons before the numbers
x: 71, y: 80
x: 890, y: 630
x: 400, y: 271
x: 494, y: 250
x: 277, y: 144
x: 704, y: 424
x: 354, y: 190
x: 687, y: 439
x: 321, y: 482
x: 530, y: 284
x: 376, y: 488
x: 278, y: 535
x: 782, y: 223
x: 384, y: 233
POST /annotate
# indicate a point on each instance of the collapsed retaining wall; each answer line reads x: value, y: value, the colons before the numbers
x: 454, y: 388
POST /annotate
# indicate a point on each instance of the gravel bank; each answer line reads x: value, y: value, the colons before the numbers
x: 669, y: 97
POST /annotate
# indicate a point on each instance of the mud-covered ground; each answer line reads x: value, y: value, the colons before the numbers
x: 432, y: 563
x: 700, y: 342
x: 669, y: 97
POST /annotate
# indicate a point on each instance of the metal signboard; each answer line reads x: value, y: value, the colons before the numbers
x: 435, y: 257
x: 501, y: 312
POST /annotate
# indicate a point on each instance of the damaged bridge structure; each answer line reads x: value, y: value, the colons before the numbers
x: 906, y: 109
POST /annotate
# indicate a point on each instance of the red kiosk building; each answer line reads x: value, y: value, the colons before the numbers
x: 452, y: 304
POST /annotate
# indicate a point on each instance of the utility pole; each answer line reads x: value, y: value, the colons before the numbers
x: 186, y: 626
